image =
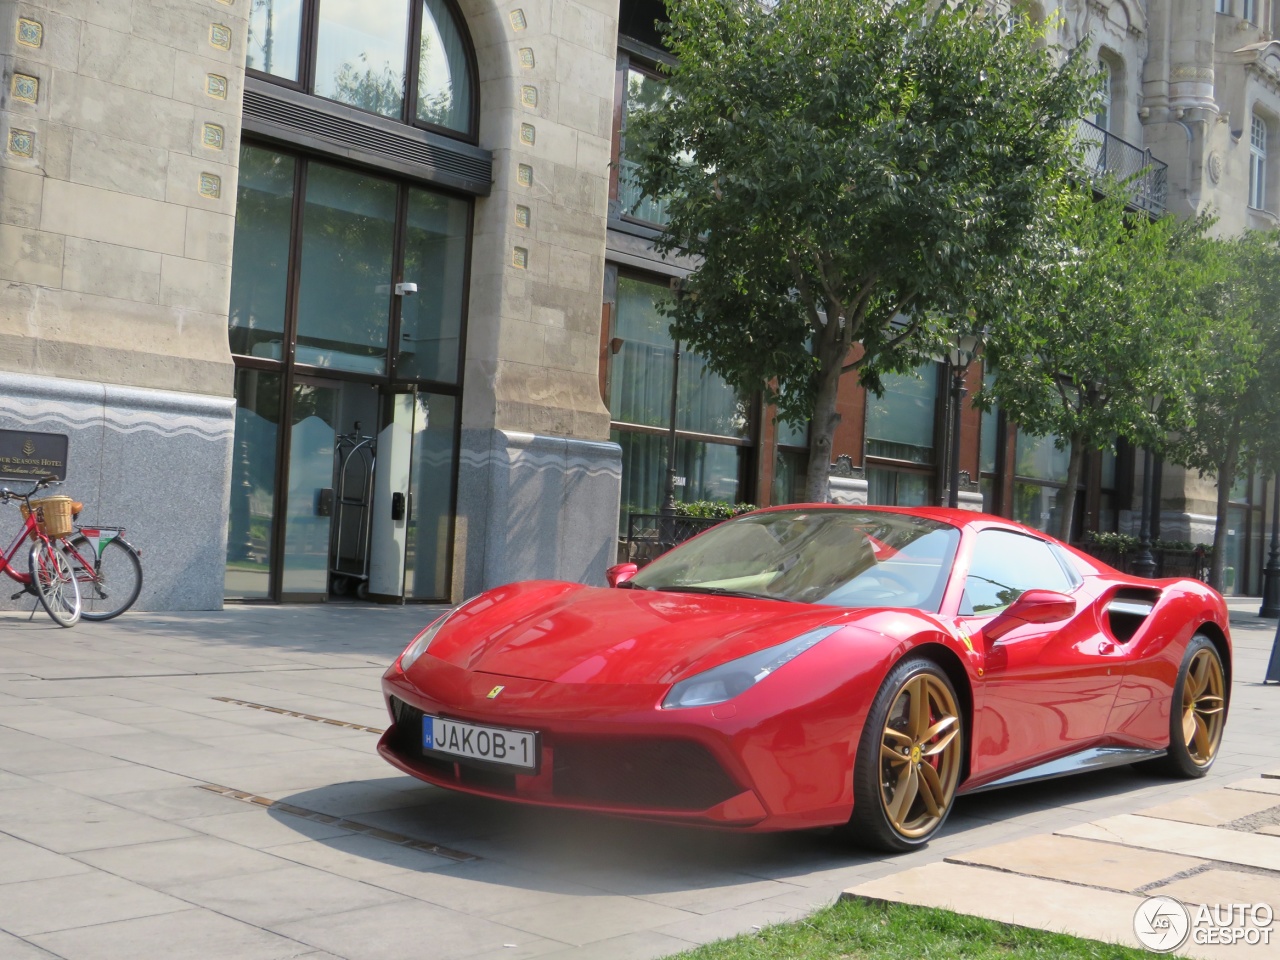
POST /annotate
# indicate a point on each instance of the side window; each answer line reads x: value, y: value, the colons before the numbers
x: 1004, y: 566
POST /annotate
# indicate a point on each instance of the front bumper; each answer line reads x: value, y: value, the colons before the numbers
x: 618, y: 753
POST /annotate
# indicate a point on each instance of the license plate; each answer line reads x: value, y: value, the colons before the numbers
x: 512, y: 748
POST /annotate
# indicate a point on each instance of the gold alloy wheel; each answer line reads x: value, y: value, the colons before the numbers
x: 1203, y: 707
x: 920, y: 756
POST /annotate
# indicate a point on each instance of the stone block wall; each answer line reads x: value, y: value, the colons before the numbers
x: 119, y: 138
x: 119, y: 133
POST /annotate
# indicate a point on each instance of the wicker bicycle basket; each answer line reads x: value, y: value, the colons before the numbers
x: 53, y: 515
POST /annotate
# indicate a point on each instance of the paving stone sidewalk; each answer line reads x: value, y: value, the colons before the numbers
x: 1217, y: 847
x: 205, y: 785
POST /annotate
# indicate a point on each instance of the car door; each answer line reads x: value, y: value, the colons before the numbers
x: 1046, y: 688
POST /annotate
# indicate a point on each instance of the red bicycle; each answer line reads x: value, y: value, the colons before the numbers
x: 49, y: 574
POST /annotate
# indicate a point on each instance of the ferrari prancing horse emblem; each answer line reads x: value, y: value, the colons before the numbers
x: 493, y: 694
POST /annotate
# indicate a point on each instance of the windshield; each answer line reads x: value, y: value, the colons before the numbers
x: 844, y: 558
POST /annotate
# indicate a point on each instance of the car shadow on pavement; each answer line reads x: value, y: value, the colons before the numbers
x: 542, y: 848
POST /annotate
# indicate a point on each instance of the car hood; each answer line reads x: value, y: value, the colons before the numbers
x: 568, y: 633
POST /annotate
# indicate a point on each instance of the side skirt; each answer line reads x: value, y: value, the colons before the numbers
x: 1094, y: 758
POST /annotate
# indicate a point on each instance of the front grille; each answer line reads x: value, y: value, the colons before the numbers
x: 659, y: 774
x: 406, y: 734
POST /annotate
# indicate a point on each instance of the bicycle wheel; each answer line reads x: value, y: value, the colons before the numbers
x: 110, y: 583
x: 54, y: 583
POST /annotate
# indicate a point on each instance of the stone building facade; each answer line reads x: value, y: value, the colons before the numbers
x: 338, y: 297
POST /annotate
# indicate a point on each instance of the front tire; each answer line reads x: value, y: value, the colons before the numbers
x: 54, y: 583
x: 1198, y: 713
x: 113, y: 585
x: 909, y: 758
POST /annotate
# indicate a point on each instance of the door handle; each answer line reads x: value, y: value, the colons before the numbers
x: 397, y: 506
x: 1106, y: 646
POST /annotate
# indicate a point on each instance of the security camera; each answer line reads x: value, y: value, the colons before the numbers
x: 406, y: 289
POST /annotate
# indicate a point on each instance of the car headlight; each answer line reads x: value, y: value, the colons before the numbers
x: 418, y: 646
x: 730, y: 679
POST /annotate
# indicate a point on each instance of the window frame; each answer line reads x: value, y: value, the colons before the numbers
x: 1257, y: 196
x: 745, y: 444
x: 632, y: 57
x: 308, y: 42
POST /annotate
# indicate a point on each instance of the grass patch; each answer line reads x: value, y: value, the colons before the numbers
x: 861, y: 930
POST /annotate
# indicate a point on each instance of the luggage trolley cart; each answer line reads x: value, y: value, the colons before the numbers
x: 354, y: 455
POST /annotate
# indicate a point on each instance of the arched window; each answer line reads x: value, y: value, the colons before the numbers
x: 1249, y: 10
x: 1258, y: 163
x: 356, y: 54
x: 1102, y: 116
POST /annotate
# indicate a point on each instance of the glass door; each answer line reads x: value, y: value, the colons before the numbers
x: 308, y: 506
x: 391, y: 496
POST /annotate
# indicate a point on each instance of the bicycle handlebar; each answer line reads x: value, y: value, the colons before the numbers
x: 6, y: 494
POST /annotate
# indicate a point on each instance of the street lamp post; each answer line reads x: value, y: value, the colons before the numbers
x: 1145, y: 564
x: 961, y: 355
x: 666, y: 526
x: 1271, y: 581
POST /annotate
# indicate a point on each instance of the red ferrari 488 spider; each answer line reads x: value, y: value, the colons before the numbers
x: 815, y: 665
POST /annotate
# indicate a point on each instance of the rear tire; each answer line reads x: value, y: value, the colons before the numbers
x: 909, y: 759
x: 54, y: 583
x: 1197, y: 715
x: 111, y: 588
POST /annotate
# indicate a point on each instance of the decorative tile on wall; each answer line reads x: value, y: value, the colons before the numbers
x: 215, y: 86
x: 524, y: 175
x: 526, y: 57
x: 22, y: 143
x: 220, y: 36
x: 523, y: 216
x: 527, y: 134
x: 210, y: 186
x: 529, y: 95
x: 25, y: 88
x: 518, y: 21
x: 520, y: 258
x: 30, y: 32
x: 213, y: 136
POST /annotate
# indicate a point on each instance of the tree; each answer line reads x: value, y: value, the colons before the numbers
x: 1106, y: 320
x: 1234, y: 411
x: 841, y: 169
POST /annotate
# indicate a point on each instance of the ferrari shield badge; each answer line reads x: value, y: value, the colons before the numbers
x: 493, y: 694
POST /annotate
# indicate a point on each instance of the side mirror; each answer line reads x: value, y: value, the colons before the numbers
x: 1034, y: 606
x: 620, y: 573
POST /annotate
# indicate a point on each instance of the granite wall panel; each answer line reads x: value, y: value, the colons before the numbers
x: 155, y: 462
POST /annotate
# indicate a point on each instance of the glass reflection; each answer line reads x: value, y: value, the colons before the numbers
x: 640, y: 387
x: 897, y: 488
x: 704, y: 471
x: 251, y: 518
x: 275, y: 28
x: 900, y: 423
x: 360, y: 54
x: 435, y: 259
x: 444, y: 82
x: 306, y: 531
x: 344, y: 296
x: 260, y: 260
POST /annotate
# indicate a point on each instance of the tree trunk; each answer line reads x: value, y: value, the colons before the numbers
x: 1226, y: 477
x: 1067, y: 516
x: 822, y: 426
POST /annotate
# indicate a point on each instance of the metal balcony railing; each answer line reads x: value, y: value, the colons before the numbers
x: 1144, y: 179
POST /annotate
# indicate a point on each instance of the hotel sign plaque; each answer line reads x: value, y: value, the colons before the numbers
x: 27, y: 455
